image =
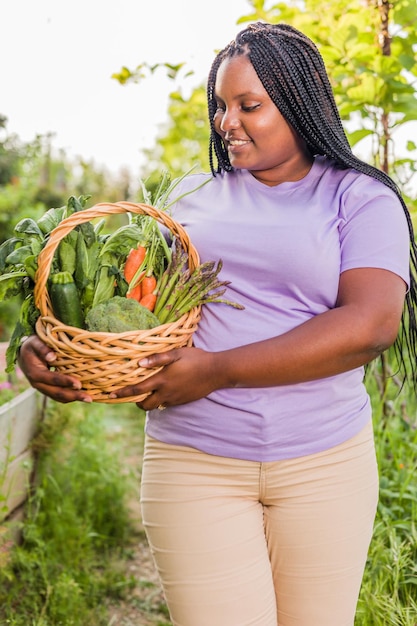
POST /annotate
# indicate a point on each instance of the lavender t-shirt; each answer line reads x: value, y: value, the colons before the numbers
x: 283, y: 249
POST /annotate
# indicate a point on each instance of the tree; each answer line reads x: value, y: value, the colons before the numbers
x: 183, y: 141
x: 34, y: 178
x: 9, y: 154
x: 369, y: 50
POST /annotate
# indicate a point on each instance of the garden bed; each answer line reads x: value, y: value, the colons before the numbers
x: 19, y: 418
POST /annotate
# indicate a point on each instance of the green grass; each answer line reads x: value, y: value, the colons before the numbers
x: 389, y: 590
x: 76, y: 527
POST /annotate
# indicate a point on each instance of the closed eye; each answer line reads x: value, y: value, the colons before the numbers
x: 248, y: 109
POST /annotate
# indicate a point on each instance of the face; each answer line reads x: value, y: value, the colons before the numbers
x: 257, y: 136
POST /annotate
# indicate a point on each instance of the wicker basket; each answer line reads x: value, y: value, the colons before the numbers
x: 105, y: 362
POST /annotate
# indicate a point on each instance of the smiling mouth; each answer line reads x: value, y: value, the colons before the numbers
x: 235, y: 146
x: 238, y: 142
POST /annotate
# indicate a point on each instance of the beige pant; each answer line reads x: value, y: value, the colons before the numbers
x: 240, y: 543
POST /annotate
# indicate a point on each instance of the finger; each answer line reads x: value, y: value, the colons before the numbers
x: 159, y: 360
x: 57, y: 386
x: 35, y: 361
x: 52, y: 378
x: 34, y: 347
x: 151, y: 384
x: 142, y: 389
x: 60, y: 387
x: 151, y: 402
x: 145, y: 388
x: 62, y: 394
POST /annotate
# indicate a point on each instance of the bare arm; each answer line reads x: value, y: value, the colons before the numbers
x: 363, y: 324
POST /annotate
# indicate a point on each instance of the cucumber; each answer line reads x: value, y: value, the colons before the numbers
x: 65, y: 300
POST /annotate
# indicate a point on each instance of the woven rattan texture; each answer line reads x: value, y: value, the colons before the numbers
x: 105, y: 362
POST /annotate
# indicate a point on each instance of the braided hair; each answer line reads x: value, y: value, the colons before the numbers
x: 293, y: 73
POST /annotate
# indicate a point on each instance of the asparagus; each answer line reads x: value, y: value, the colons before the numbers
x: 181, y: 290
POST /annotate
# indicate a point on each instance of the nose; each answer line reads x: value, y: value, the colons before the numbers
x: 230, y: 120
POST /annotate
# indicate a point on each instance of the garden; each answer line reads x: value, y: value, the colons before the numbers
x: 72, y: 547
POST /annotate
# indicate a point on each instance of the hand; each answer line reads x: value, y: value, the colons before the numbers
x: 187, y: 374
x: 35, y: 361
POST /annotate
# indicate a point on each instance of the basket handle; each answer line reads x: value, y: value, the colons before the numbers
x: 102, y: 209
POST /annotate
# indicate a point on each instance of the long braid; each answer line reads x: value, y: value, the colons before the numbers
x: 293, y: 73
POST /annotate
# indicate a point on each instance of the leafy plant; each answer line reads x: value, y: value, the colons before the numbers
x: 369, y: 51
x: 76, y: 522
x: 11, y: 385
x: 389, y: 589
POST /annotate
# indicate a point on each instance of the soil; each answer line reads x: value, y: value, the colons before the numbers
x: 144, y: 605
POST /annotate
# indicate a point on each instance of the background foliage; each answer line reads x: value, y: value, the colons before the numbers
x: 369, y: 47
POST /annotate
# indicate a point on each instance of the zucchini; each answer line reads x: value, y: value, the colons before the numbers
x: 65, y: 300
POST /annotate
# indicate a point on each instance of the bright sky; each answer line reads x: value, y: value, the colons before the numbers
x: 57, y: 58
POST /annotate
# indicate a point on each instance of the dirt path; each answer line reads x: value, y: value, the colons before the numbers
x: 144, y: 604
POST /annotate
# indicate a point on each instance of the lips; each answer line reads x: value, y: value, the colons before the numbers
x: 237, y: 142
x: 235, y: 145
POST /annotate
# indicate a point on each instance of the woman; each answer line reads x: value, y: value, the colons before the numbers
x: 260, y: 484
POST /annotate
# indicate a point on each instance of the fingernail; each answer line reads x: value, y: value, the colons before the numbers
x: 144, y: 362
x: 112, y: 395
x: 51, y: 356
x: 88, y: 400
x: 76, y: 385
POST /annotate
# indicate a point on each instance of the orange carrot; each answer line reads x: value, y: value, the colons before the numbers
x: 135, y: 293
x: 148, y: 284
x: 133, y: 262
x: 148, y: 301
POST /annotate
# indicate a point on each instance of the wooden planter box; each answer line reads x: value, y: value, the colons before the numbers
x: 18, y: 423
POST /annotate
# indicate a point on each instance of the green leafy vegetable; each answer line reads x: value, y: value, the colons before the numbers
x: 24, y: 326
x: 18, y: 265
x: 119, y: 315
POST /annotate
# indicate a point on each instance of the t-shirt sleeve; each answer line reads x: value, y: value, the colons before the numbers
x: 373, y: 229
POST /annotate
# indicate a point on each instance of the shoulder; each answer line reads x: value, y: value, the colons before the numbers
x: 352, y: 179
x: 354, y: 189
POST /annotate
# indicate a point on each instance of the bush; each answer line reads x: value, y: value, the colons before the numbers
x: 389, y: 590
x: 76, y: 521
